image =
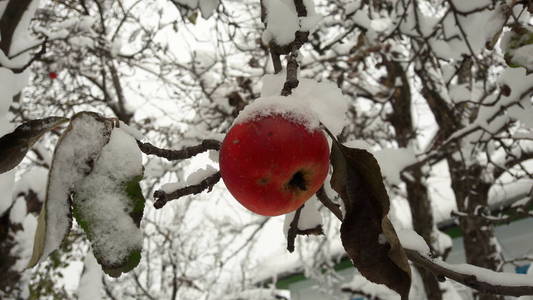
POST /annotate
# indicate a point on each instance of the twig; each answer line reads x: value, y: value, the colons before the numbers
x: 161, y: 197
x: 184, y: 153
x: 35, y: 57
x: 354, y: 292
x: 334, y: 208
x: 292, y: 74
x: 293, y: 229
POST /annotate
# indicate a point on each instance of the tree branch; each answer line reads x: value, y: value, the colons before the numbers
x: 162, y: 197
x: 184, y: 153
x: 295, y: 231
x: 470, y: 275
x: 334, y: 208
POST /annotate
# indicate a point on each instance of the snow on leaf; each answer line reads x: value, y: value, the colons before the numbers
x: 518, y: 47
x: 73, y: 160
x: 15, y: 145
x: 109, y: 205
x: 366, y: 232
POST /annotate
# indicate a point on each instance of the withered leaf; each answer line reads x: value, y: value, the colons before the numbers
x: 15, y: 145
x: 366, y: 233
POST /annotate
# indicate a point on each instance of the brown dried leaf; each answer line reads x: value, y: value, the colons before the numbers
x: 366, y: 233
x: 15, y: 145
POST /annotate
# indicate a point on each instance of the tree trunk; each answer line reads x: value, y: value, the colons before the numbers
x: 471, y: 195
x: 417, y: 194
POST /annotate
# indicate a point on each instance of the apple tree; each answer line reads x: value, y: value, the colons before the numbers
x: 466, y: 64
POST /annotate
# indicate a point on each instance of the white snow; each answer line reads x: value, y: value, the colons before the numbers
x: 290, y: 108
x: 34, y: 179
x: 24, y: 242
x: 18, y: 210
x: 282, y: 22
x: 103, y: 203
x: 485, y: 275
x: 324, y: 99
x: 258, y: 294
x: 134, y: 132
x: 91, y: 286
x: 194, y: 178
x: 411, y: 240
x: 309, y: 216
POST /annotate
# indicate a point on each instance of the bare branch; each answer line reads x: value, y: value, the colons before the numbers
x: 162, y: 197
x: 184, y: 153
x: 294, y: 230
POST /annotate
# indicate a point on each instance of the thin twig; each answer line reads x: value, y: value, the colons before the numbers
x: 184, y: 153
x: 161, y: 197
x: 334, y: 208
x: 291, y: 81
x: 293, y: 229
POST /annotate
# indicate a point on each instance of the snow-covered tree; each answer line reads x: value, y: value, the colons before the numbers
x: 419, y: 85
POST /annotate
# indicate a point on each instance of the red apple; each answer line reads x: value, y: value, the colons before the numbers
x: 272, y: 164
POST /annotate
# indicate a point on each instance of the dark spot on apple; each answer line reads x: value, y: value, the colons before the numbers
x: 263, y: 180
x: 298, y: 182
x: 270, y: 133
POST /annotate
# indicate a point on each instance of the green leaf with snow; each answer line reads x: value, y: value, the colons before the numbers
x: 15, y: 145
x: 73, y: 160
x: 109, y: 205
x: 517, y: 45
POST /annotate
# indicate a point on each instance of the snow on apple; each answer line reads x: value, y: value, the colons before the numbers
x: 287, y: 107
x: 324, y: 99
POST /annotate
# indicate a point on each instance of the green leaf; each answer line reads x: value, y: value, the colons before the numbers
x: 15, y: 145
x: 366, y: 232
x: 193, y: 17
x: 109, y: 205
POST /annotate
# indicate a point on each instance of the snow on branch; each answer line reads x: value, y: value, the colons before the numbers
x: 480, y: 279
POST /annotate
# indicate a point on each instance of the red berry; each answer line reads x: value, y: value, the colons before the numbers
x: 52, y: 75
